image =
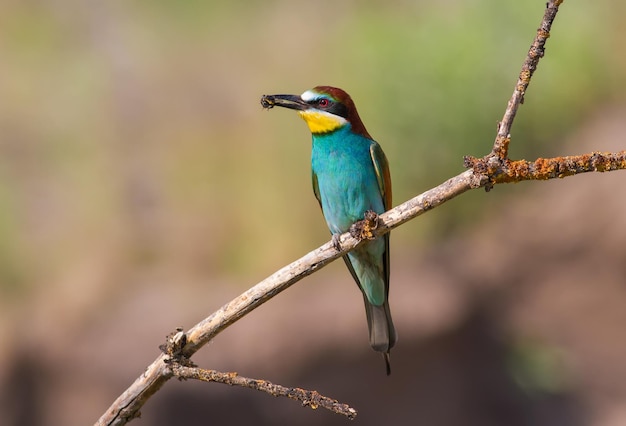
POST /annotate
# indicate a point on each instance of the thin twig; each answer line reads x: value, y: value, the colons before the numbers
x: 183, y: 369
x: 308, y: 398
x: 535, y: 53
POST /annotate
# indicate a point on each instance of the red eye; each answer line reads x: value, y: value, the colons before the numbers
x: 323, y: 102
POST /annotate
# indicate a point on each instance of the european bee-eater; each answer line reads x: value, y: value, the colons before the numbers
x: 350, y: 176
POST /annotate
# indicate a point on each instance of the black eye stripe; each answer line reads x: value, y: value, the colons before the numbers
x: 333, y: 107
x: 339, y: 109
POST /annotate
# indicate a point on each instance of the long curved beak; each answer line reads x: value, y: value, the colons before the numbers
x: 285, y: 101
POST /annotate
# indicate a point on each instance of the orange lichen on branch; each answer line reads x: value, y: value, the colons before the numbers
x: 558, y: 167
x: 364, y: 229
x: 501, y: 147
x: 524, y: 79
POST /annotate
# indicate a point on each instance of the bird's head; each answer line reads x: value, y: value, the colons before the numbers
x: 324, y: 108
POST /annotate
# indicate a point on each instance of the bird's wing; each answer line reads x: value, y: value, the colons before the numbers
x: 381, y: 167
x: 316, y: 188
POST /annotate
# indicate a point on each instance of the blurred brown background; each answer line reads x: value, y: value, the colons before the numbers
x: 142, y: 187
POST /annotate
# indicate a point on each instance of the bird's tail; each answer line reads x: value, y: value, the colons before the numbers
x: 382, y: 332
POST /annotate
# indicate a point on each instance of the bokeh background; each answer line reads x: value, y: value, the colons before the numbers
x: 142, y: 186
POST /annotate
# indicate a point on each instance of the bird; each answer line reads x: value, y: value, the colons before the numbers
x: 350, y: 176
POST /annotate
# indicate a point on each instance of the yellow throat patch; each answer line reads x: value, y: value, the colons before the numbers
x: 321, y: 121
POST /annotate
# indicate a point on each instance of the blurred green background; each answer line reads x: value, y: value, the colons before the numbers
x: 142, y: 185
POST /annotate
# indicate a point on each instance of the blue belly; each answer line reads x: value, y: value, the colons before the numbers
x: 346, y: 178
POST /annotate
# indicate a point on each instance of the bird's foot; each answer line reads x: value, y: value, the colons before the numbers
x: 336, y: 240
x: 364, y: 229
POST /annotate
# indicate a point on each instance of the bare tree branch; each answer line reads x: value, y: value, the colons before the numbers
x: 493, y: 169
